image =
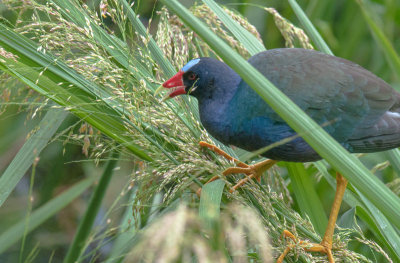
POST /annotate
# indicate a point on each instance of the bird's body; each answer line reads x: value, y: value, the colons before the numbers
x: 359, y: 110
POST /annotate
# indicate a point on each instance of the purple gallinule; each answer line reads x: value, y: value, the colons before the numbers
x: 358, y: 109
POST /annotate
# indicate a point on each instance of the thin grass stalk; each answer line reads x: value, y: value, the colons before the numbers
x: 86, y: 224
x: 155, y: 51
x: 43, y: 213
x: 157, y: 54
x: 390, y: 233
x: 120, y: 52
x: 74, y: 91
x: 248, y: 40
x: 115, y: 47
x: 310, y: 28
x: 126, y: 233
x: 30, y: 204
x: 383, y: 42
x: 306, y: 196
x: 376, y: 222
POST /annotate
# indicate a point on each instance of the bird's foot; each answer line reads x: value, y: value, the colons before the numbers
x: 324, y: 247
x: 252, y: 171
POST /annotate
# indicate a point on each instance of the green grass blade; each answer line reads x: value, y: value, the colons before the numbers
x: 249, y: 41
x: 29, y: 151
x: 394, y: 158
x: 369, y: 216
x: 376, y: 229
x: 72, y: 11
x: 54, y: 79
x: 309, y: 27
x: 390, y: 53
x: 155, y: 51
x: 348, y: 219
x: 324, y: 144
x: 126, y: 234
x: 210, y: 201
x: 389, y: 232
x: 86, y: 224
x: 157, y: 54
x: 119, y: 50
x: 40, y: 215
x: 306, y: 196
x: 27, y: 52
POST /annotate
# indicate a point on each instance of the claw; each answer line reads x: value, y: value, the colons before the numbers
x: 326, y: 245
x: 252, y: 171
x: 325, y: 248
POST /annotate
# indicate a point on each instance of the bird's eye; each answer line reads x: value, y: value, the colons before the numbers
x: 192, y: 76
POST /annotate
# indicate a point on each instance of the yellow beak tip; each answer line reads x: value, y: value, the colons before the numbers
x: 166, y: 97
x: 158, y: 90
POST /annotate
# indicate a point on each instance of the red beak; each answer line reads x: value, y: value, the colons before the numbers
x: 175, y: 82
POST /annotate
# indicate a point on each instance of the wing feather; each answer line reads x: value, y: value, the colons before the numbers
x: 352, y: 104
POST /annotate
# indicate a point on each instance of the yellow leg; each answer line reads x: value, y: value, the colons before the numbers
x: 252, y: 171
x: 326, y: 244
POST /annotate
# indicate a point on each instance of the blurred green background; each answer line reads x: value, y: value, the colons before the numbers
x: 341, y: 24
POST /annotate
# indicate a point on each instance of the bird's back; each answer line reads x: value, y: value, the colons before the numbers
x: 358, y: 109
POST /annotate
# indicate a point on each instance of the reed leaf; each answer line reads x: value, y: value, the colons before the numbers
x: 30, y: 151
x: 74, y: 91
x: 249, y: 41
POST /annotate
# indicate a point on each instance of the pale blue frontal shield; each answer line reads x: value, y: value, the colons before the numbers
x: 190, y: 64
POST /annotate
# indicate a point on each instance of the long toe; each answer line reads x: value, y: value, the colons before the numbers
x: 323, y: 247
x: 251, y: 171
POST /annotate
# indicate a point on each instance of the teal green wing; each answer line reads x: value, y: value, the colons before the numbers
x: 357, y: 108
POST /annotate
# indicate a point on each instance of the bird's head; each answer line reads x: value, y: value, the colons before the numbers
x: 196, y: 78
